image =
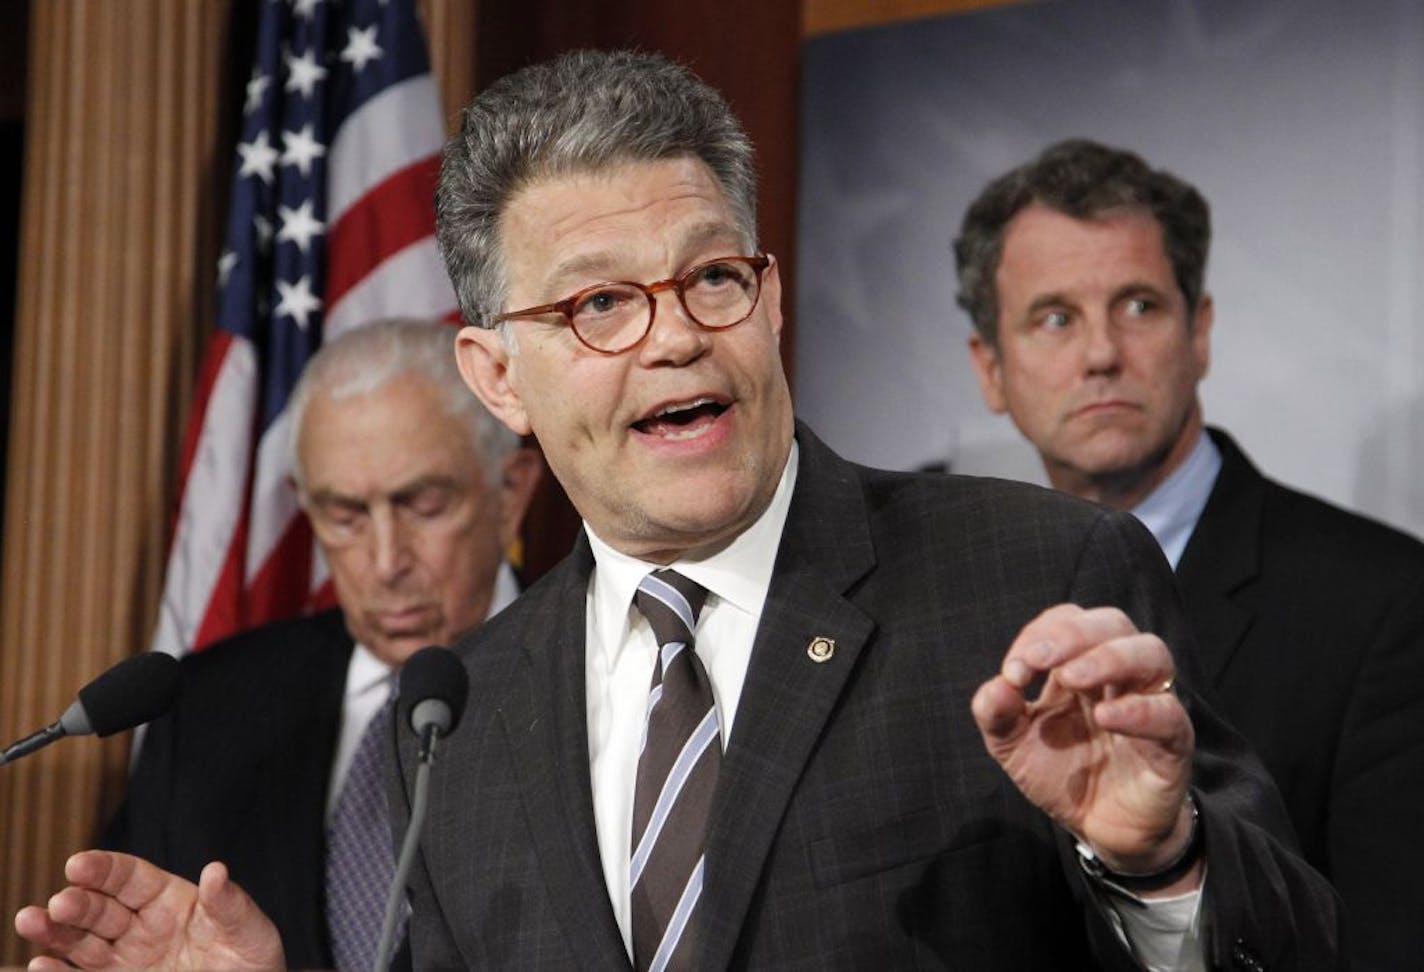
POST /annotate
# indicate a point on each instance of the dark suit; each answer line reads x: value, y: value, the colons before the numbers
x: 1310, y: 625
x: 858, y: 821
x: 238, y: 772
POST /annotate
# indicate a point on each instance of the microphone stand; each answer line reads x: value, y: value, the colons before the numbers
x: 35, y: 740
x: 419, y: 799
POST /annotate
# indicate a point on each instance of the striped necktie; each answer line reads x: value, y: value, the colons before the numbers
x: 677, y: 772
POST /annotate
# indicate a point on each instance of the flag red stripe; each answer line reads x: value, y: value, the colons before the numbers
x: 279, y: 588
x: 223, y: 612
x: 391, y: 216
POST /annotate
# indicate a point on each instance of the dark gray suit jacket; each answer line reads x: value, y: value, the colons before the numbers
x: 238, y: 771
x: 1310, y: 626
x: 859, y: 822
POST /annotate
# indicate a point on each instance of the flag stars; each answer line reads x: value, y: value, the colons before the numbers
x: 263, y: 226
x: 297, y: 301
x: 305, y: 9
x: 226, y: 263
x: 299, y: 225
x: 303, y: 73
x: 258, y: 157
x: 361, y: 47
x: 301, y: 149
x: 256, y: 87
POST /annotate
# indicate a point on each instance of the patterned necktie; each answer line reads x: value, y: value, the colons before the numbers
x: 677, y: 772
x: 360, y: 861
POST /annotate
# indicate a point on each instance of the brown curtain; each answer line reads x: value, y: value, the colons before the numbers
x: 116, y: 251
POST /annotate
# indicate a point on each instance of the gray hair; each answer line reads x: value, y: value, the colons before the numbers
x: 1081, y: 179
x: 367, y: 358
x: 584, y: 111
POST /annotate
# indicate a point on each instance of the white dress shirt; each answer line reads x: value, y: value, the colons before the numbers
x: 368, y: 684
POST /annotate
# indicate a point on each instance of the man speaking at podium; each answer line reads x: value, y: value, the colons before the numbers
x: 776, y: 710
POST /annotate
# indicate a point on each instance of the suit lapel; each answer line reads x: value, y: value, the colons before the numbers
x: 788, y: 696
x: 1222, y: 558
x: 545, y: 725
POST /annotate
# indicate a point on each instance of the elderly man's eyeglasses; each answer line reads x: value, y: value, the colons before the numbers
x: 612, y: 317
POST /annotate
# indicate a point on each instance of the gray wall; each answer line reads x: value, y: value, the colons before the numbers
x: 1303, y: 124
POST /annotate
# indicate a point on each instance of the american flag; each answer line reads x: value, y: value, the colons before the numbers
x: 331, y: 224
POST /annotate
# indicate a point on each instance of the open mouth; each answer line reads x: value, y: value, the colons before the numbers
x: 681, y: 420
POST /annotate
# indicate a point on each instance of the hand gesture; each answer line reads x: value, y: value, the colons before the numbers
x: 121, y: 912
x: 1106, y: 746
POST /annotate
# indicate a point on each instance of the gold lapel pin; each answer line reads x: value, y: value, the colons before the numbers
x: 821, y: 649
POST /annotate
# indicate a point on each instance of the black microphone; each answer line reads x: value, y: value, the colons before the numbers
x: 137, y: 689
x: 434, y: 681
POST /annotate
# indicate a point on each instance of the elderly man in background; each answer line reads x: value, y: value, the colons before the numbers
x: 776, y: 710
x: 1083, y: 273
x: 414, y: 493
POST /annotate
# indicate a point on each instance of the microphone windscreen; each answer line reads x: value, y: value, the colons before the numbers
x: 134, y: 691
x: 434, y: 674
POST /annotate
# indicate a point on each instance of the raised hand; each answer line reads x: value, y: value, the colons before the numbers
x: 121, y: 912
x: 1106, y: 747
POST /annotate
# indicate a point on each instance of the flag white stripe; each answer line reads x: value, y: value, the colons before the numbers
x: 410, y: 283
x: 274, y: 501
x: 212, y: 500
x: 364, y: 152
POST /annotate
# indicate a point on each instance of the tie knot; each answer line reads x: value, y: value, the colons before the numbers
x: 671, y: 603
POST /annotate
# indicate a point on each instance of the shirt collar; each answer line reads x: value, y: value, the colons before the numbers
x: 739, y: 573
x: 366, y: 672
x: 1172, y: 509
x: 506, y: 589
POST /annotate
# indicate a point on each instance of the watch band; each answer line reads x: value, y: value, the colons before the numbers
x: 1131, y: 884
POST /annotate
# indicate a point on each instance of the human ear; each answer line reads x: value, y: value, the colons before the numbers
x: 985, y: 358
x: 1202, y: 320
x: 485, y: 365
x: 771, y: 295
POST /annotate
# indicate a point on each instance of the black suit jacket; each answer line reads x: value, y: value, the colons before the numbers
x: 238, y: 772
x: 858, y: 822
x: 1310, y: 622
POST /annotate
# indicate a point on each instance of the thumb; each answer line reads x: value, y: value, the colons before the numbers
x: 999, y: 708
x: 220, y: 897
x: 240, y: 925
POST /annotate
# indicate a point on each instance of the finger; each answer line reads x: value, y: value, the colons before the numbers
x: 1060, y: 634
x: 999, y: 708
x: 1131, y: 663
x: 93, y: 911
x: 132, y: 880
x: 44, y: 963
x: 1159, y: 717
x: 37, y: 926
x: 34, y: 925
